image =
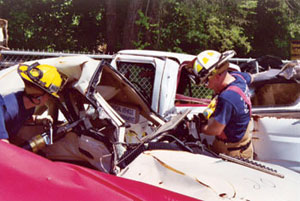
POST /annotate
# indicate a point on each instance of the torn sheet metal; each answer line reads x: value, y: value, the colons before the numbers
x: 291, y: 70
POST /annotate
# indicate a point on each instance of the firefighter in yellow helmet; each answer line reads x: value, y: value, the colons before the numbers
x: 41, y: 82
x: 229, y: 121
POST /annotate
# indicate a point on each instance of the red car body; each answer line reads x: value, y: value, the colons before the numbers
x: 27, y: 176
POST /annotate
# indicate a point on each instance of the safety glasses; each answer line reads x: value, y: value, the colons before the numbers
x: 35, y: 98
x: 208, y: 77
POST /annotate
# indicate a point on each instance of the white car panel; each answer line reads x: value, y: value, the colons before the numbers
x: 208, y: 178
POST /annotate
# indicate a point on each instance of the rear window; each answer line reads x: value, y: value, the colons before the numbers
x: 190, y: 93
x: 187, y: 87
x: 141, y: 76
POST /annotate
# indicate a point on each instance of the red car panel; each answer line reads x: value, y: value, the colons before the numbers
x: 27, y: 176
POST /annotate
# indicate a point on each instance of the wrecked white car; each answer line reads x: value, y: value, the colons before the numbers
x: 167, y: 86
x: 103, y: 122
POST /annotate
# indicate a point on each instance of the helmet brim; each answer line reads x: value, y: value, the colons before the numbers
x: 51, y: 88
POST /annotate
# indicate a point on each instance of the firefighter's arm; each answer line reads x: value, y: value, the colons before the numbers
x: 213, y: 127
x: 252, y: 77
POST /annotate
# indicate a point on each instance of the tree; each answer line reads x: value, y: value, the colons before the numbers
x: 130, y: 28
x: 192, y: 26
x: 279, y: 26
x: 251, y: 27
x: 112, y: 32
x: 61, y: 25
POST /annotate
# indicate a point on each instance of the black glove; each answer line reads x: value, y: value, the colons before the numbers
x: 200, y: 120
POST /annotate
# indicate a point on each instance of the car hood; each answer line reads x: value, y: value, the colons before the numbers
x: 211, y: 178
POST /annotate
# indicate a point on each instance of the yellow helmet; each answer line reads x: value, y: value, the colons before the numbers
x: 210, y: 61
x: 44, y: 76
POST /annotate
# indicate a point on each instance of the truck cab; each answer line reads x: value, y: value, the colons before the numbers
x: 159, y: 76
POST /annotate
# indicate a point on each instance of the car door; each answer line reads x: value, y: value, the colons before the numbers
x: 276, y: 124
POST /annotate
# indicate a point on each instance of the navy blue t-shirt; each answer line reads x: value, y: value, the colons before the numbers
x: 12, y: 114
x: 232, y: 110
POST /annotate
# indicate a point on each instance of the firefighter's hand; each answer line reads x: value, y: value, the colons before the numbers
x: 43, y: 120
x: 200, y: 121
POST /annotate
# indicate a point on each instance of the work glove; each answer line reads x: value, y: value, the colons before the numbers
x: 200, y: 120
x: 43, y: 120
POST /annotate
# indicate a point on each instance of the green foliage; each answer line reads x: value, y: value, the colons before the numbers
x: 276, y: 25
x: 251, y: 27
x: 144, y: 24
x: 224, y: 37
x: 60, y: 25
x: 192, y: 26
x: 294, y: 29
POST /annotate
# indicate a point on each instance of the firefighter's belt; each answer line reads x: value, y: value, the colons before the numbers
x: 241, y: 148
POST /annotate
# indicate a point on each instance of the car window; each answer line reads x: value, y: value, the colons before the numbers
x: 279, y: 94
x: 141, y: 76
x: 188, y: 88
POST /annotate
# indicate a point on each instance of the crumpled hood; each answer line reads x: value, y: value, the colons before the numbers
x: 210, y: 178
